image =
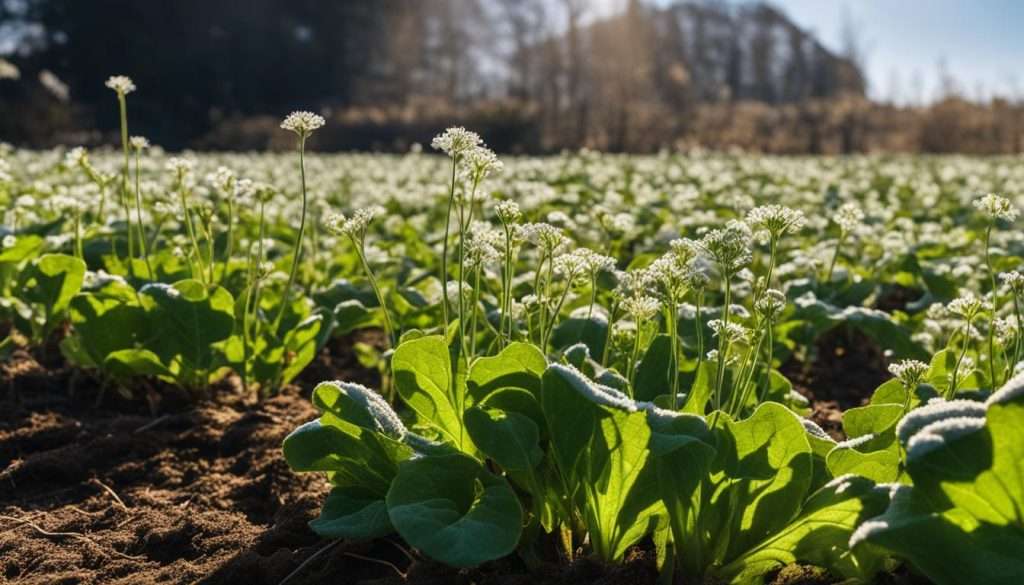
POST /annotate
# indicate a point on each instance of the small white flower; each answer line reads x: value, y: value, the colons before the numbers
x: 121, y: 84
x: 180, y: 166
x: 302, y: 123
x: 910, y: 373
x: 733, y: 332
x: 968, y: 306
x: 996, y: 207
x: 139, y: 142
x: 9, y: 241
x: 456, y: 141
x: 508, y: 211
x: 776, y: 219
x: 641, y: 307
x: 849, y: 217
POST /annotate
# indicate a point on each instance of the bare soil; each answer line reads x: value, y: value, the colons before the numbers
x: 170, y: 491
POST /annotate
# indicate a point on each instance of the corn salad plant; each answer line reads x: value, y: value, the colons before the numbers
x: 582, y: 352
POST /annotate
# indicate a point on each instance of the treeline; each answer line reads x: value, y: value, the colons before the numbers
x: 532, y: 75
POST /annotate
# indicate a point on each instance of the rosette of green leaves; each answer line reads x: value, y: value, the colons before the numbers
x: 598, y: 441
x: 386, y: 479
x: 962, y: 520
x: 737, y: 497
x: 46, y: 286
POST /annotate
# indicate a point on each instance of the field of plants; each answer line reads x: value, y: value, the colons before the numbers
x: 450, y: 367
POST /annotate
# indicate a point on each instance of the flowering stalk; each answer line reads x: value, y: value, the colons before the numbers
x: 506, y: 290
x: 672, y: 323
x: 187, y: 217
x: 463, y: 226
x: 456, y: 142
x: 954, y: 377
x: 994, y: 208
x: 303, y: 124
x: 992, y: 318
x: 122, y: 86
x: 252, y: 292
x: 138, y: 143
x: 608, y: 333
x: 475, y: 309
x: 354, y: 228
x: 444, y: 245
x: 79, y: 252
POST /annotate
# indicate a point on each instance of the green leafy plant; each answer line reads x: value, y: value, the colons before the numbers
x: 961, y: 520
x: 386, y: 478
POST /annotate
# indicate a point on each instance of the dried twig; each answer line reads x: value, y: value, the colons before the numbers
x: 298, y: 569
x: 153, y: 423
x: 76, y: 535
x: 109, y: 491
x: 379, y: 562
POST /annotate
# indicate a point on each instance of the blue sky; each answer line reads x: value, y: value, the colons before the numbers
x: 981, y: 41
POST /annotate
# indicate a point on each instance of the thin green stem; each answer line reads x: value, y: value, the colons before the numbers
x: 123, y: 107
x: 995, y: 305
x: 444, y: 246
x: 138, y: 216
x: 956, y: 367
x: 297, y: 253
x: 187, y: 216
x: 389, y: 329
x: 835, y: 257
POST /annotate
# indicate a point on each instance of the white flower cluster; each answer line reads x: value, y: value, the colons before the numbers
x: 910, y: 373
x: 733, y: 332
x: 355, y: 226
x: 770, y: 305
x: 121, y: 84
x: 1014, y: 280
x: 456, y: 141
x: 849, y: 217
x: 508, y: 211
x: 996, y: 207
x: 640, y: 307
x: 729, y: 246
x: 968, y: 306
x: 777, y: 220
x: 179, y: 166
x: 302, y: 123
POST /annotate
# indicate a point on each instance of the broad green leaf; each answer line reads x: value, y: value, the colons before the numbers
x: 300, y: 345
x: 48, y: 284
x: 881, y: 466
x: 761, y: 474
x: 454, y: 510
x: 107, y: 320
x: 353, y: 513
x: 349, y: 453
x: 187, y: 321
x: 423, y: 377
x: 818, y: 536
x: 125, y: 363
x: 962, y: 521
x: 701, y: 390
x: 821, y: 445
x: 508, y: 437
x: 25, y: 246
x: 653, y: 373
x: 599, y: 441
x: 520, y: 365
x: 351, y: 315
x: 682, y: 451
x: 591, y: 332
